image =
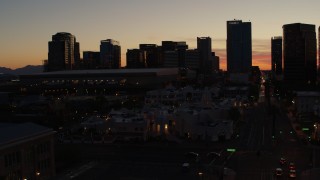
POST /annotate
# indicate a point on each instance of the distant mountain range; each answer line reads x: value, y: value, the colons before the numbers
x: 30, y: 69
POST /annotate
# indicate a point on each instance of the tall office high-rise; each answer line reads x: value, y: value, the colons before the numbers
x: 205, y: 54
x: 181, y: 48
x: 239, y: 46
x: 110, y: 54
x: 192, y: 59
x: 136, y: 58
x: 63, y: 53
x: 215, y: 62
x: 174, y: 47
x: 276, y: 55
x: 91, y: 60
x: 299, y: 53
x: 153, y: 55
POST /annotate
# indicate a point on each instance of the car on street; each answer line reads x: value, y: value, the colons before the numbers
x: 185, y: 167
x: 282, y: 161
x: 292, y: 166
x: 278, y: 172
x: 213, y: 154
x: 292, y: 173
x: 192, y: 156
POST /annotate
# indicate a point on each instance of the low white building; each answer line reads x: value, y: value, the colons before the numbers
x: 203, y: 123
x: 160, y: 118
x: 176, y: 97
x: 95, y: 122
x: 167, y: 96
x: 127, y: 125
x: 307, y: 102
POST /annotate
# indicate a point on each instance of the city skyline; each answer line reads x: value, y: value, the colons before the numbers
x: 142, y: 22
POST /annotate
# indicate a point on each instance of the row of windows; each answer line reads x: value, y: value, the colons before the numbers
x: 43, y: 148
x: 12, y: 159
x: 123, y: 129
x: 44, y: 164
x: 29, y: 156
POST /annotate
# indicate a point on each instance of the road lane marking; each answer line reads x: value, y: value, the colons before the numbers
x: 263, y: 136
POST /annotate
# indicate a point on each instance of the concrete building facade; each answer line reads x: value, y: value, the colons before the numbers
x: 26, y: 151
x: 299, y: 53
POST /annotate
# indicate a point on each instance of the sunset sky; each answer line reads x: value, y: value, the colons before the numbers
x: 28, y: 25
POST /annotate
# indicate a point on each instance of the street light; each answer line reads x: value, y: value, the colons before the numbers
x: 201, y: 175
x: 231, y: 150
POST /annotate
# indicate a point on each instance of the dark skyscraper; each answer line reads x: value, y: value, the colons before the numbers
x: 136, y: 58
x: 182, y: 48
x: 110, y: 54
x: 64, y: 53
x: 215, y: 62
x: 299, y: 53
x: 168, y: 46
x: 205, y: 54
x: 91, y: 59
x: 178, y: 47
x: 153, y: 55
x: 276, y: 55
x: 239, y: 46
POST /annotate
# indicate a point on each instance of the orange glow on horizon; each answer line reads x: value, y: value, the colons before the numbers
x: 263, y: 61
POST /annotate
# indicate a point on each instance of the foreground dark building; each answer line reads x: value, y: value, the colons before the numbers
x: 26, y: 151
x: 299, y: 53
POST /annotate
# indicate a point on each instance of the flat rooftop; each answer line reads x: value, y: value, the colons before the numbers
x: 12, y: 133
x: 110, y: 72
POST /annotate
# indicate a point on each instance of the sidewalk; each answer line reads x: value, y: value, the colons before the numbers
x: 311, y: 174
x: 296, y: 127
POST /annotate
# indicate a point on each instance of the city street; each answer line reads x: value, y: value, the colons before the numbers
x: 265, y: 136
x: 148, y: 161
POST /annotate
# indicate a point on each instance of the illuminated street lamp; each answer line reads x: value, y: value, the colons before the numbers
x: 200, y: 175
